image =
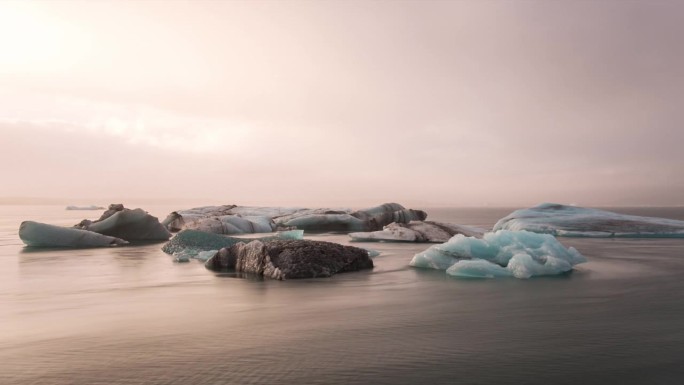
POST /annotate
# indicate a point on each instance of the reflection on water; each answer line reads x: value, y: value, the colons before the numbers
x: 129, y: 315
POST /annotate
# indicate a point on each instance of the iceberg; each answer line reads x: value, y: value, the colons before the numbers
x: 519, y: 254
x: 43, y: 235
x: 417, y: 231
x: 91, y: 207
x: 232, y: 219
x: 290, y: 259
x: 571, y: 221
x: 196, y: 244
x: 116, y: 226
x: 132, y: 225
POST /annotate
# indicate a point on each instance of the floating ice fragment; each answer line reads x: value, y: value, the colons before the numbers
x: 44, y: 235
x: 417, y: 231
x: 477, y: 268
x: 231, y: 219
x: 132, y: 225
x: 571, y: 221
x: 521, y: 254
x: 91, y: 207
x: 191, y: 243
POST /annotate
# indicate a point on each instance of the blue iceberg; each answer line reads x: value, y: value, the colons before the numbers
x: 519, y: 254
x: 203, y: 245
x: 571, y: 221
x: 37, y: 234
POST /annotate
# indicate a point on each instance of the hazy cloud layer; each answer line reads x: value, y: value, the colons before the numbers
x: 344, y: 103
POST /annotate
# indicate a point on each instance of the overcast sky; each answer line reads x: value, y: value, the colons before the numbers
x: 463, y: 103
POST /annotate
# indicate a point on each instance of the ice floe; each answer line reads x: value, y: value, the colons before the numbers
x: 37, y: 234
x: 91, y: 207
x: 519, y: 254
x: 231, y: 219
x: 571, y: 221
x: 116, y: 226
x: 199, y: 244
x: 131, y: 225
x: 417, y: 231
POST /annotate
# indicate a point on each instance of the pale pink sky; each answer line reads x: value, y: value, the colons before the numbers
x: 463, y: 103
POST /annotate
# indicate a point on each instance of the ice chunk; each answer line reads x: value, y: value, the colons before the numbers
x: 132, y: 225
x: 417, y: 231
x: 523, y: 254
x: 234, y: 224
x: 370, y: 219
x: 222, y: 219
x: 191, y: 243
x: 570, y: 221
x: 44, y: 235
x: 205, y: 255
x: 477, y: 268
x: 91, y: 207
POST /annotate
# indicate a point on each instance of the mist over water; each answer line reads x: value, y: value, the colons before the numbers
x: 129, y: 315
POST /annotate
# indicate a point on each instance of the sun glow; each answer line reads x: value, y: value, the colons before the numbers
x: 32, y: 41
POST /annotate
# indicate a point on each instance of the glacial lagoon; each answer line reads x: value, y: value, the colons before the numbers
x: 119, y: 315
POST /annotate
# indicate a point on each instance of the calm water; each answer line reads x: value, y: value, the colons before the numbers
x: 130, y: 315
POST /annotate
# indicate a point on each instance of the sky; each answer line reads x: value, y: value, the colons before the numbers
x: 343, y: 103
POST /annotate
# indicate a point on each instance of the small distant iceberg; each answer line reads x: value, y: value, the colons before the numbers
x: 417, y: 231
x: 91, y: 207
x: 572, y: 221
x: 519, y: 254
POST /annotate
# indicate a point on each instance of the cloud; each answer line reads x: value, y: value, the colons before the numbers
x: 509, y: 103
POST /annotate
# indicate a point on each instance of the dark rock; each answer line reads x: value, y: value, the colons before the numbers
x: 291, y: 259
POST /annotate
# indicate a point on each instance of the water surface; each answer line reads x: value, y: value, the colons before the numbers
x: 129, y: 315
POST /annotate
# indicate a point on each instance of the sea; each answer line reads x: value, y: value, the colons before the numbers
x: 130, y: 315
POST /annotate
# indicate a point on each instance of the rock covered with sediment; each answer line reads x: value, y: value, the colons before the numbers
x: 290, y: 259
x: 37, y: 234
x: 418, y: 231
x: 231, y: 219
x: 130, y: 224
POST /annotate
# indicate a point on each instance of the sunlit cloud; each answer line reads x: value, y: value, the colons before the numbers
x: 136, y: 125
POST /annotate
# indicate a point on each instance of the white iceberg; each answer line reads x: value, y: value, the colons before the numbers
x: 231, y: 219
x: 91, y: 207
x: 571, y: 221
x: 43, y: 235
x: 519, y: 254
x: 417, y: 231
